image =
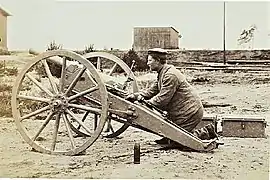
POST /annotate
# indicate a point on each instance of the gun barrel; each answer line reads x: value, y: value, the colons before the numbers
x: 55, y: 60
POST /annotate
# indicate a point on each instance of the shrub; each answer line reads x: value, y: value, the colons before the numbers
x: 5, y: 107
x: 5, y: 97
x: 53, y: 46
x: 4, y: 52
x: 89, y: 49
x: 2, y: 65
x: 86, y: 50
x: 5, y: 87
x: 12, y: 71
x: 140, y: 64
x: 7, y: 71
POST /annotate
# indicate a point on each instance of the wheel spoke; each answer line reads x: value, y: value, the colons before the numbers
x: 84, y: 117
x: 55, y: 132
x: 89, y: 99
x: 34, y: 98
x: 38, y: 84
x: 78, y: 121
x: 48, y: 118
x: 91, y: 78
x: 98, y: 63
x: 95, y: 121
x: 69, y: 131
x: 83, y: 93
x: 51, y: 78
x: 111, y: 128
x: 75, y: 80
x: 113, y: 69
x: 63, y: 75
x: 108, y: 125
x: 35, y: 112
x: 86, y: 108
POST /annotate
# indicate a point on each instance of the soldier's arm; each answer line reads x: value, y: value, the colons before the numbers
x: 151, y: 91
x: 169, y: 86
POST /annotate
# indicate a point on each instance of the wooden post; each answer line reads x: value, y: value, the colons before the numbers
x: 224, y: 32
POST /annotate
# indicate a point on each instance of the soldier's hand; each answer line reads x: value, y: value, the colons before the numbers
x: 140, y: 98
x: 131, y: 97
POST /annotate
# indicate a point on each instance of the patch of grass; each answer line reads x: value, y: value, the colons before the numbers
x: 30, y: 106
x: 4, y: 52
x: 12, y: 71
x: 5, y: 107
x: 5, y: 98
x: 5, y: 87
x: 7, y: 71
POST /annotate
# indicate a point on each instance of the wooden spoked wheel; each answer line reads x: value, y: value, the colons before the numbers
x: 115, y: 73
x: 44, y: 105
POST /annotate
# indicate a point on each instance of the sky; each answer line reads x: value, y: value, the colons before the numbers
x: 109, y: 24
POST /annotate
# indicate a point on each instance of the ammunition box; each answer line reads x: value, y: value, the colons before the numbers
x: 246, y: 127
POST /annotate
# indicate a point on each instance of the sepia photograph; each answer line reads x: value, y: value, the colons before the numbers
x: 134, y: 89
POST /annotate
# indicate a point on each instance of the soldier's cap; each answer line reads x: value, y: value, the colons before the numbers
x: 157, y: 51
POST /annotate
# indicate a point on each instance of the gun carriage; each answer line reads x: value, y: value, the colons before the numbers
x: 66, y: 112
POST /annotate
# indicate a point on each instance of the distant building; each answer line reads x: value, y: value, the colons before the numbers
x: 153, y: 37
x: 3, y: 28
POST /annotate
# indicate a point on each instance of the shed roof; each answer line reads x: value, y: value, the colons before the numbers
x: 159, y: 27
x: 5, y: 13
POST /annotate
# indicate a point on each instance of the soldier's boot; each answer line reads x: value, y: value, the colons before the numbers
x: 207, y: 132
x: 212, y: 131
x: 202, y: 133
x: 163, y: 141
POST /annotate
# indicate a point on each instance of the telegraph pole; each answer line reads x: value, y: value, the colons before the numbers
x: 224, y: 32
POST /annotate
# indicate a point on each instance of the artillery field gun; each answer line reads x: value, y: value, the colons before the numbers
x: 66, y: 112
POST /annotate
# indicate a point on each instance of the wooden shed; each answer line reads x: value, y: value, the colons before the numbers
x: 153, y: 37
x: 3, y: 28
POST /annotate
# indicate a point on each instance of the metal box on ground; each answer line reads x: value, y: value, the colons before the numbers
x: 246, y: 127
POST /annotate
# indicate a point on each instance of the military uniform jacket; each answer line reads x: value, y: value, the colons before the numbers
x: 171, y: 92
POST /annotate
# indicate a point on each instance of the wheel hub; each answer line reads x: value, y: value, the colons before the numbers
x: 59, y: 103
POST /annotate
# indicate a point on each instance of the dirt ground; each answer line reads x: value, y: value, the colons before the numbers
x: 238, y: 158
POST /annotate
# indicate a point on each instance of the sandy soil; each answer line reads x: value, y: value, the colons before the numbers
x: 238, y: 158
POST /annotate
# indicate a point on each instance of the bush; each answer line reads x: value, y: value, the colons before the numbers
x: 12, y: 71
x: 2, y: 65
x: 6, y: 71
x: 86, y: 50
x: 89, y: 49
x: 5, y: 97
x: 53, y: 46
x: 4, y: 52
x: 140, y: 64
x: 5, y: 107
